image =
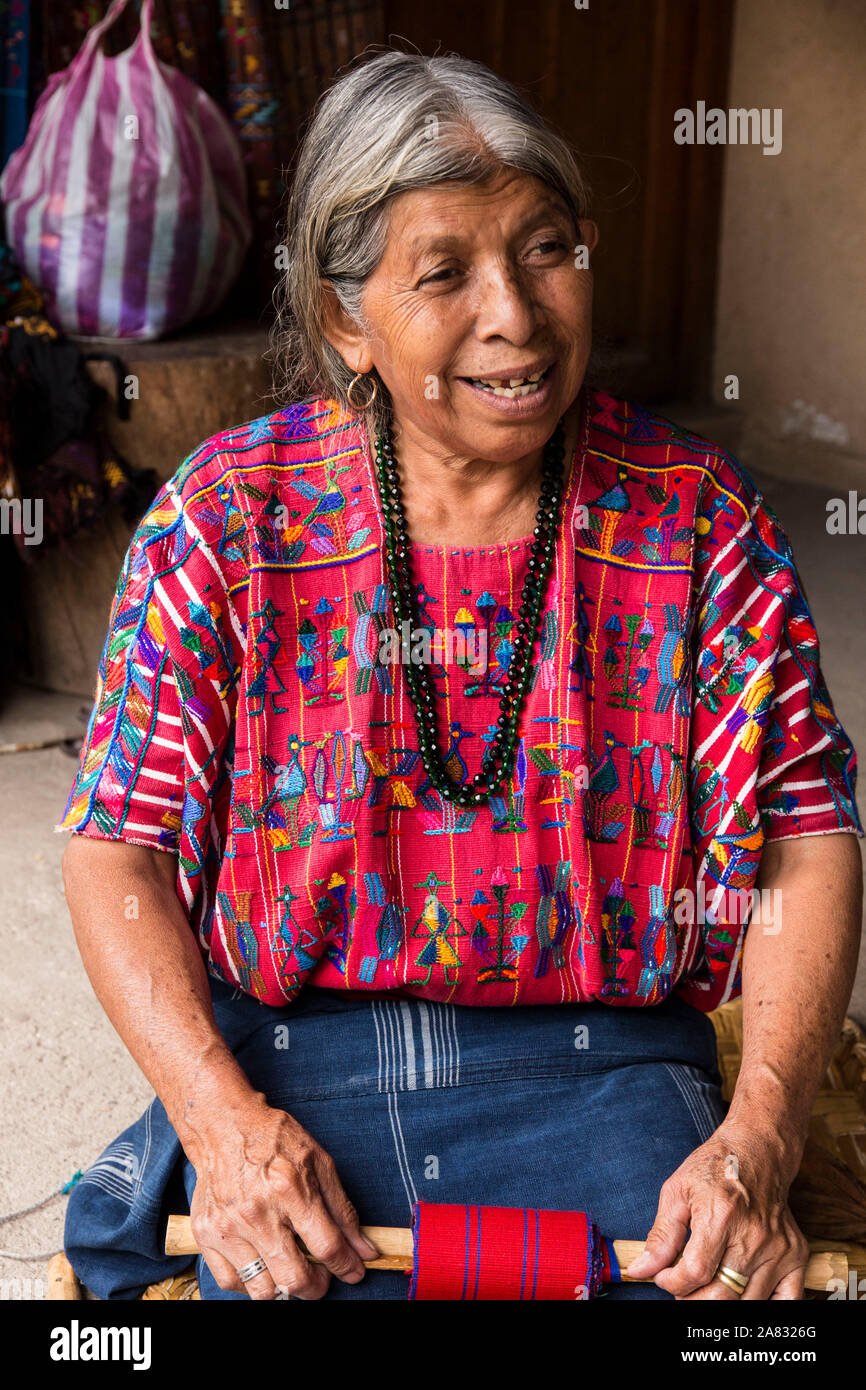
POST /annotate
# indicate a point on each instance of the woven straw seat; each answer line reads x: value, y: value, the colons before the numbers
x: 828, y: 1197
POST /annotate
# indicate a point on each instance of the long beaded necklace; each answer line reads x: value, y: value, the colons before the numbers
x: 498, y: 761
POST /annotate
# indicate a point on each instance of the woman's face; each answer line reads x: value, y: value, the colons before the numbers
x: 478, y: 289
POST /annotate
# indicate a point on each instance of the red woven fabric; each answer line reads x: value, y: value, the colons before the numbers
x: 247, y: 721
x: 504, y: 1253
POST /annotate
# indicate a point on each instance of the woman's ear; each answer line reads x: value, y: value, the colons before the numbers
x: 343, y: 333
x: 588, y: 234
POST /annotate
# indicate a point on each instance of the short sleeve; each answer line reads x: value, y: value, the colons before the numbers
x: 769, y: 757
x: 129, y: 784
x: 808, y: 770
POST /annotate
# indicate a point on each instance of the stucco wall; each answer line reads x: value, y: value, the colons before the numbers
x: 791, y: 320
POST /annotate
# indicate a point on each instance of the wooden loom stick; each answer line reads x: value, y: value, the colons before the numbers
x: 63, y: 1282
x: 396, y: 1252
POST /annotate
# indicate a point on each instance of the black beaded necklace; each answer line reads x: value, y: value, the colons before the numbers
x: 498, y: 761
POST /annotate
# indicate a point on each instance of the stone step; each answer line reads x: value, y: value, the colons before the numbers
x: 189, y: 387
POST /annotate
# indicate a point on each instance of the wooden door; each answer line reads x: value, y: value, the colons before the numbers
x: 611, y: 77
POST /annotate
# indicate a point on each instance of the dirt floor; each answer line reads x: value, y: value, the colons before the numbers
x: 67, y: 1085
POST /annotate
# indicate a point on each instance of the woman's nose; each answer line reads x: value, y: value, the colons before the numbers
x: 506, y: 307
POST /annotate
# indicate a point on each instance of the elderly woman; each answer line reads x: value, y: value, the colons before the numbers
x: 447, y: 719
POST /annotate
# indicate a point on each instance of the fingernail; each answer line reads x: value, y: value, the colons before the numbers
x: 368, y: 1249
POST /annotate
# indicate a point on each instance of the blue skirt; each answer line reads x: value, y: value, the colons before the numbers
x: 570, y: 1107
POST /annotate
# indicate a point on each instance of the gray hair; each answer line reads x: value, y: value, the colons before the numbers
x: 396, y: 122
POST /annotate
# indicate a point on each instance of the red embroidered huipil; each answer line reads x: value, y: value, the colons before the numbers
x: 245, y: 720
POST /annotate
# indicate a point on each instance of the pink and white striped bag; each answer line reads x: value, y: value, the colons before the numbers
x: 126, y: 204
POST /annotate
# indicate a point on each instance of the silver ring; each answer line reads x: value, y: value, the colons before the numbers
x: 250, y: 1271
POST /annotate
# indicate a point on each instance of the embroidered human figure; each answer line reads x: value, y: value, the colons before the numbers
x: 437, y: 924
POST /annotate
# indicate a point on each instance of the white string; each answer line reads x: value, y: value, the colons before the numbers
x: 25, y: 1211
x: 36, y: 1257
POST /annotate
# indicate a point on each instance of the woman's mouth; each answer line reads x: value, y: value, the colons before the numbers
x: 510, y: 387
x: 516, y: 393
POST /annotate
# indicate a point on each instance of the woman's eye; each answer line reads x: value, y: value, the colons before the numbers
x: 547, y: 247
x: 440, y: 276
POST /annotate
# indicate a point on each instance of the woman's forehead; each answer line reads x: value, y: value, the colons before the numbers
x: 450, y: 212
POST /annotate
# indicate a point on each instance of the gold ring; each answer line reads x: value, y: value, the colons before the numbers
x: 732, y: 1279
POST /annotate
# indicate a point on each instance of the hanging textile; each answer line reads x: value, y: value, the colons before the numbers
x: 15, y: 38
x: 266, y: 66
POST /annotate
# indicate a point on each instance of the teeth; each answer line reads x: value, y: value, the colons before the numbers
x: 517, y: 385
x: 528, y: 390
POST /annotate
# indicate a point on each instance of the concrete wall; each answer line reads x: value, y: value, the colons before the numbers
x: 791, y: 311
x: 791, y: 320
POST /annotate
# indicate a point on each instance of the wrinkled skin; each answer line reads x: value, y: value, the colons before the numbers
x: 474, y: 282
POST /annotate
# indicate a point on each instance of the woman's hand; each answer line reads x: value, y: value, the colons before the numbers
x: 259, y: 1176
x: 262, y: 1180
x: 732, y: 1193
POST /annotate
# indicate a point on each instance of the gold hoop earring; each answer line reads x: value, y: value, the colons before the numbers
x: 361, y: 376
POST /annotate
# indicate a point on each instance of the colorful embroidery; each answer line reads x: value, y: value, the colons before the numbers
x: 246, y: 719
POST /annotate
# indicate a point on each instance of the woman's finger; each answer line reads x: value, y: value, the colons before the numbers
x: 287, y: 1264
x: 666, y: 1237
x: 237, y: 1253
x: 785, y: 1267
x: 222, y: 1270
x: 791, y: 1286
x: 709, y: 1240
x: 713, y: 1292
x: 342, y: 1210
x: 325, y: 1241
x: 765, y: 1269
x: 734, y: 1257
